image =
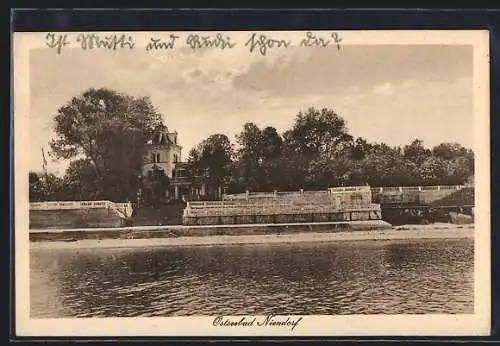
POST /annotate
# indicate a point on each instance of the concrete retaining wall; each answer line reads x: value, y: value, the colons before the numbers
x: 74, y: 218
x: 361, y: 215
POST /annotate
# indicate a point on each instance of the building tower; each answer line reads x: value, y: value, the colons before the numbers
x: 162, y: 152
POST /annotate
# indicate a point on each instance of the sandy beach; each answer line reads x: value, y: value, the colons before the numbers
x: 435, y: 231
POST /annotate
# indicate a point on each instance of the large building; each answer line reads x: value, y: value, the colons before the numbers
x: 163, y: 152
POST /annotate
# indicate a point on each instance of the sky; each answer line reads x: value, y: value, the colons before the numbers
x: 386, y: 93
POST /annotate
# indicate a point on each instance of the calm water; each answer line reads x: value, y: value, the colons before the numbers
x: 370, y: 277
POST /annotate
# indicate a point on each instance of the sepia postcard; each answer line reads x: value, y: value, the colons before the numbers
x: 252, y: 183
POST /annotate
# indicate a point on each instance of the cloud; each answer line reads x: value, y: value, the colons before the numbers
x: 324, y: 70
x: 383, y: 89
x: 195, y: 73
x: 408, y: 84
x: 435, y: 111
x: 217, y: 92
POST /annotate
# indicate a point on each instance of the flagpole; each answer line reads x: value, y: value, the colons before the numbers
x: 44, y: 164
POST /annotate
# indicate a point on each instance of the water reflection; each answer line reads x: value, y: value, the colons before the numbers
x: 368, y: 277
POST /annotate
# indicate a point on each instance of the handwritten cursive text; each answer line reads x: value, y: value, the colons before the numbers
x: 111, y: 42
x: 268, y: 321
x: 219, y: 41
x: 262, y: 43
x: 159, y: 44
x: 57, y: 42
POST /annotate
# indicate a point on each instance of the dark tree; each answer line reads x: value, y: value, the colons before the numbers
x: 317, y: 138
x: 214, y: 156
x: 108, y: 129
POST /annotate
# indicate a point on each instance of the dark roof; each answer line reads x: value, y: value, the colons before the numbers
x: 160, y: 138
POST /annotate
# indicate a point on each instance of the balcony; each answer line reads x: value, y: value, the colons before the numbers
x: 183, y: 174
x: 181, y: 180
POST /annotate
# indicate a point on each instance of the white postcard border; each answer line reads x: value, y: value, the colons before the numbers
x: 314, y: 325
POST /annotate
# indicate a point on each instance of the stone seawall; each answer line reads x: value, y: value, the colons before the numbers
x: 190, y: 231
x: 74, y: 218
x: 303, y: 217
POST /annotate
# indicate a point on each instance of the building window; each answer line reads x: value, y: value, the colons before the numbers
x: 356, y: 199
x: 155, y: 157
x: 176, y: 158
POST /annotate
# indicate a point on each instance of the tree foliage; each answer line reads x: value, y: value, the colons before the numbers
x: 316, y: 131
x: 214, y: 156
x: 159, y: 184
x: 318, y: 152
x: 317, y: 140
x: 46, y: 187
x: 107, y: 130
x: 104, y: 133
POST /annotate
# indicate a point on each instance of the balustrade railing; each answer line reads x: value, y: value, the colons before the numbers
x: 348, y: 198
x: 220, y: 209
x: 124, y: 208
x: 417, y: 188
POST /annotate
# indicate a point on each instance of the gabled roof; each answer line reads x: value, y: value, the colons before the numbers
x: 162, y: 138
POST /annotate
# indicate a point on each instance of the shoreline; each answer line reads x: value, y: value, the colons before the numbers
x: 352, y: 224
x: 178, y: 231
x: 397, y: 233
